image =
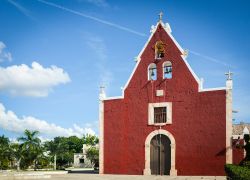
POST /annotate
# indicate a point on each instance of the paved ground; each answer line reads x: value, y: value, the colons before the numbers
x: 42, y: 176
x: 129, y: 177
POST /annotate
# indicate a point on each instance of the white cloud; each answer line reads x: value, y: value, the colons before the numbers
x: 11, y: 122
x: 34, y: 81
x: 4, y: 55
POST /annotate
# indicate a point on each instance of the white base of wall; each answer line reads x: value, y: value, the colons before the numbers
x: 173, y: 172
x: 147, y: 172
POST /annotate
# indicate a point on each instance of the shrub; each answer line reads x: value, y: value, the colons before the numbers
x: 93, y: 155
x: 235, y: 172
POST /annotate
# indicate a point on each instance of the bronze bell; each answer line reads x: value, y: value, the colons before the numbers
x: 152, y: 73
x: 170, y: 69
x: 166, y: 70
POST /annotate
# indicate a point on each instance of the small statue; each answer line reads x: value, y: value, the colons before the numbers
x: 159, y: 50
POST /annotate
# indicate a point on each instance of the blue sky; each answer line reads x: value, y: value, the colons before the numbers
x: 55, y: 54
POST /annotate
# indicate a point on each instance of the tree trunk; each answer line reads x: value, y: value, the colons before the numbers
x: 35, y: 165
x: 55, y: 162
x: 18, y: 164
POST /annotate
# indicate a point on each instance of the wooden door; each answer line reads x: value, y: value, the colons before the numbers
x: 160, y: 155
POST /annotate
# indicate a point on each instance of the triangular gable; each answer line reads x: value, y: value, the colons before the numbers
x: 167, y: 29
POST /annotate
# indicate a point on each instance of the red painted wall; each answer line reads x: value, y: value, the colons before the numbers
x: 198, y: 118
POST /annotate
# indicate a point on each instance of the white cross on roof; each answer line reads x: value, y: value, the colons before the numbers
x: 229, y: 75
x: 160, y: 16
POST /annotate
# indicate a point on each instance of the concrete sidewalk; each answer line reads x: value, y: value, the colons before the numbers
x: 103, y: 177
x: 134, y: 177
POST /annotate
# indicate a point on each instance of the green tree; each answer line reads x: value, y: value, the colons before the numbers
x: 93, y: 155
x: 4, y: 152
x: 17, y: 153
x: 75, y: 144
x: 31, y: 147
x: 90, y: 139
x: 60, y: 149
x: 93, y: 151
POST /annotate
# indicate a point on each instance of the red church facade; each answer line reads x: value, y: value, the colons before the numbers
x: 165, y: 122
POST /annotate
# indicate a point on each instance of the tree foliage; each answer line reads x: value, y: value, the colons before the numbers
x: 30, y: 152
x: 93, y: 155
x: 31, y: 148
x: 4, y: 152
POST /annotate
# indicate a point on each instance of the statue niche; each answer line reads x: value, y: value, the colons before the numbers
x: 159, y: 50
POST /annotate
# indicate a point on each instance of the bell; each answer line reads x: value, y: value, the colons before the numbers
x: 170, y: 69
x: 152, y: 73
x: 166, y: 70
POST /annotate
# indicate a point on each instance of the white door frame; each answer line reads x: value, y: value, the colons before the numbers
x: 147, y: 170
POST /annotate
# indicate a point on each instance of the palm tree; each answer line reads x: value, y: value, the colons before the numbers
x: 31, y: 145
x: 18, y: 153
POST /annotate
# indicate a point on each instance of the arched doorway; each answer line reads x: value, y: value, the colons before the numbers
x: 147, y: 169
x: 160, y: 155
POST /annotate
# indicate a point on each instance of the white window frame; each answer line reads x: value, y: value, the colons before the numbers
x: 152, y: 65
x: 151, y: 107
x: 167, y: 63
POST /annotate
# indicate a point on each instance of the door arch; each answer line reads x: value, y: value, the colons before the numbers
x: 160, y: 155
x: 147, y: 170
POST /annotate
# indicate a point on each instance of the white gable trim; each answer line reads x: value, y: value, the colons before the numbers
x: 139, y: 58
x: 168, y: 31
x: 166, y: 28
x: 191, y: 70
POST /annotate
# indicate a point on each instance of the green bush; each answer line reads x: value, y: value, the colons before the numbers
x: 235, y: 172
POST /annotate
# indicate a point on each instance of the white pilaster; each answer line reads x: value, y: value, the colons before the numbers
x: 229, y: 117
x: 102, y: 96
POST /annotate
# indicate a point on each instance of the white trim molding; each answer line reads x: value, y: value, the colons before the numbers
x: 147, y: 170
x: 212, y: 89
x: 151, y: 107
x: 113, y: 97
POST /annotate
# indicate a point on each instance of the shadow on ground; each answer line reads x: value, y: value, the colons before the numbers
x: 83, y: 171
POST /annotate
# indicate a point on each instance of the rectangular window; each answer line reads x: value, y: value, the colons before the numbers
x: 160, y: 114
x: 81, y: 160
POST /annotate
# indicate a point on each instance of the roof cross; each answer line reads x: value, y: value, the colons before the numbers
x: 160, y: 16
x: 229, y: 75
x: 102, y: 89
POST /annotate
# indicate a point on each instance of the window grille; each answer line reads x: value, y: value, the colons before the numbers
x: 160, y: 114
